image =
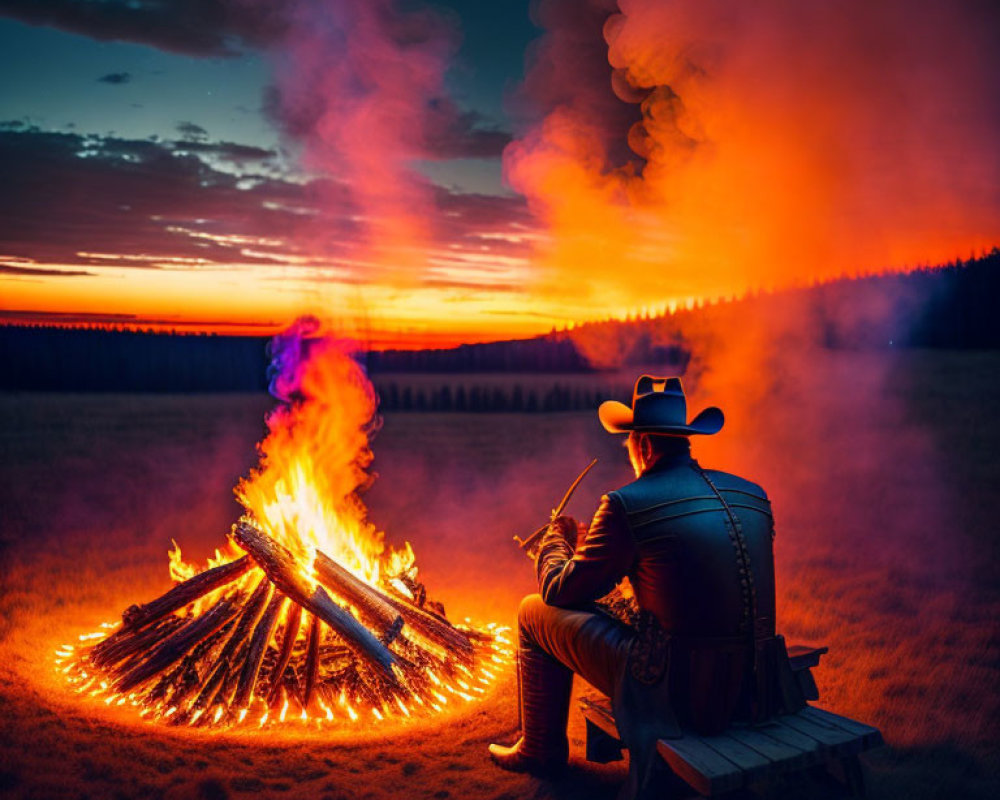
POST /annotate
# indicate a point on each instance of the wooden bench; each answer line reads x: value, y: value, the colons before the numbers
x: 711, y: 765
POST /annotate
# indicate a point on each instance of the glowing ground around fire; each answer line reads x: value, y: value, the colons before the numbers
x: 330, y: 709
x: 887, y: 552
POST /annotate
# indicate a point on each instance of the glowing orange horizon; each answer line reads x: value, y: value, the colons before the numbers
x: 228, y: 301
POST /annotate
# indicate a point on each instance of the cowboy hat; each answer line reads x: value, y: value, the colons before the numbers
x: 658, y: 406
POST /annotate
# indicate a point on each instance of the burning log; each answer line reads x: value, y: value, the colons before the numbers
x: 216, y: 658
x: 285, y: 654
x: 369, y: 601
x: 179, y: 683
x: 126, y: 640
x: 184, y: 593
x: 312, y: 660
x: 255, y: 654
x: 286, y: 574
x: 177, y: 645
x: 438, y: 630
x: 222, y: 666
x: 123, y: 644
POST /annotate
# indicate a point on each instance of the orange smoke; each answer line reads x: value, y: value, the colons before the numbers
x: 772, y: 144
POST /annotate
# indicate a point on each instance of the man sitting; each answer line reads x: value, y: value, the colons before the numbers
x: 695, y: 545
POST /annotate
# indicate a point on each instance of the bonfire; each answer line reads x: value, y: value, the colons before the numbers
x: 306, y: 614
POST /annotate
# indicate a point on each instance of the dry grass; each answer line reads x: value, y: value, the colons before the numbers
x: 883, y: 476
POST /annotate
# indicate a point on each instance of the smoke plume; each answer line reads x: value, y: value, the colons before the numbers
x: 359, y: 88
x: 772, y: 143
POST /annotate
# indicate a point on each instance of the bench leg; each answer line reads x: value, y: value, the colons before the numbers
x: 602, y: 748
x: 661, y: 783
x: 854, y: 778
x: 845, y: 771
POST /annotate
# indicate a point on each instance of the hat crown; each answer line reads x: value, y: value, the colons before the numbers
x: 659, y: 401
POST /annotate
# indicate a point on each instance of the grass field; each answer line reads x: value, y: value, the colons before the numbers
x: 882, y: 469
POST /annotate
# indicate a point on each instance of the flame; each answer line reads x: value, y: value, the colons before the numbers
x: 402, y: 562
x: 314, y: 461
x: 180, y: 570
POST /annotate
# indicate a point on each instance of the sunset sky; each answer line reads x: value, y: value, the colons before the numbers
x: 436, y: 172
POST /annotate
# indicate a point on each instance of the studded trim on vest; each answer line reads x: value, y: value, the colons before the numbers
x: 748, y: 591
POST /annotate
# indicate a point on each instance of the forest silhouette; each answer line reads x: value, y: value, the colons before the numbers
x: 948, y: 306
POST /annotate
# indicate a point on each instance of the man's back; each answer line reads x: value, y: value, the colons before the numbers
x: 704, y: 564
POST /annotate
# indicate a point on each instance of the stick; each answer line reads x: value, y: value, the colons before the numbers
x: 123, y: 644
x: 181, y: 642
x: 312, y: 659
x: 433, y: 627
x: 244, y: 625
x: 184, y: 593
x: 258, y: 644
x: 286, y: 574
x: 285, y: 655
x: 368, y: 600
x: 526, y: 543
x: 225, y: 694
x: 187, y: 679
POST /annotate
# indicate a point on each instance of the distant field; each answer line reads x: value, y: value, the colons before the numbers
x: 883, y: 472
x: 501, y: 392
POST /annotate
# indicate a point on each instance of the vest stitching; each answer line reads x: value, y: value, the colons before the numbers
x: 697, y: 497
x: 735, y: 530
x: 696, y: 511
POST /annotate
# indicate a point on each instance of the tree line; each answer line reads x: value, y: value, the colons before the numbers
x: 536, y: 397
x: 37, y: 358
x: 953, y: 305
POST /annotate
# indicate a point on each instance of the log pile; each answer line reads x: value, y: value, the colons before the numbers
x: 266, y: 636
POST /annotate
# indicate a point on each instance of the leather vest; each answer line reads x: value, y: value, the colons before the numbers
x: 696, y: 546
x: 704, y: 564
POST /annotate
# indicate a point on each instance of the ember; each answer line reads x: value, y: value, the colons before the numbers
x: 306, y: 615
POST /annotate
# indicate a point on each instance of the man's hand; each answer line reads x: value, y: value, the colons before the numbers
x: 566, y: 528
x: 562, y: 532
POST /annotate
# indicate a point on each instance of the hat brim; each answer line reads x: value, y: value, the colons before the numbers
x: 618, y: 418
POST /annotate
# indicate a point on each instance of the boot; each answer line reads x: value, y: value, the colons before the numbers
x: 544, y: 687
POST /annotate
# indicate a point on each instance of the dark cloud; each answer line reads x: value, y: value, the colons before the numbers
x: 191, y: 131
x: 115, y: 78
x: 462, y: 134
x: 476, y: 220
x: 207, y: 28
x: 78, y: 200
x: 39, y: 272
x: 67, y: 194
x: 228, y: 151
